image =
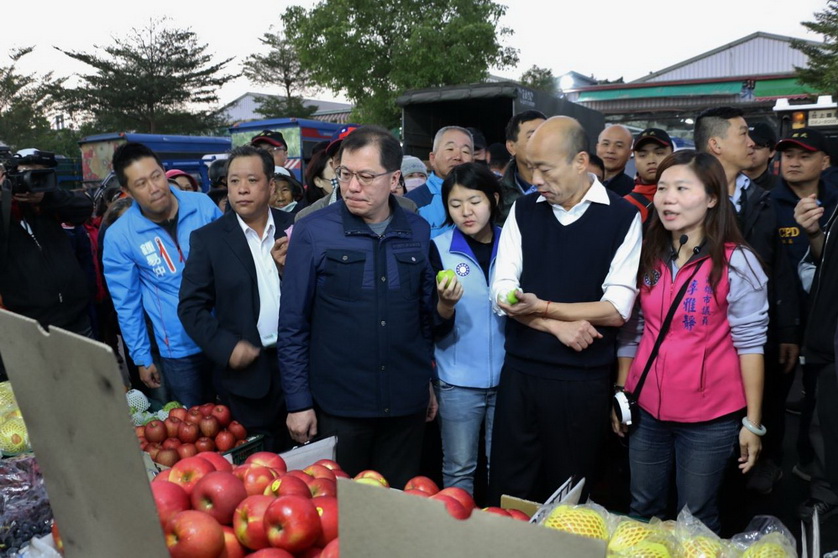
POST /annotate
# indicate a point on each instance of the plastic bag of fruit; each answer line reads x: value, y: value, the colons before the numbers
x: 631, y: 538
x: 695, y: 540
x: 588, y: 520
x: 24, y: 507
x: 765, y: 537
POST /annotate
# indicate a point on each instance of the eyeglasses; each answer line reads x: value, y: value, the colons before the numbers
x: 365, y: 178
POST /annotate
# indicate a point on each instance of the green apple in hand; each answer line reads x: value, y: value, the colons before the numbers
x: 446, y: 275
x: 511, y: 298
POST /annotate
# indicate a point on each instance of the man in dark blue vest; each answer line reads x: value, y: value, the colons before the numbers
x: 569, y: 254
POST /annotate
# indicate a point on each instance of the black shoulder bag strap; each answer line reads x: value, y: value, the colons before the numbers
x: 664, y: 329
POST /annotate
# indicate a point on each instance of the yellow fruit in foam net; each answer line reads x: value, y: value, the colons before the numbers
x: 628, y: 534
x: 579, y: 521
x: 13, y: 436
x: 766, y: 549
x: 7, y: 397
x: 701, y: 547
x: 648, y: 549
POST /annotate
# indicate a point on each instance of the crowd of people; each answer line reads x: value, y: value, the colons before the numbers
x: 532, y: 299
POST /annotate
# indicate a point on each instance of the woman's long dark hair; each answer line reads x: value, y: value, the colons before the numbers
x: 314, y: 169
x: 720, y: 225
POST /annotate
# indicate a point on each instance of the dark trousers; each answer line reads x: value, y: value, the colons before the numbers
x: 547, y: 430
x: 390, y: 445
x: 266, y: 415
x: 824, y: 485
x: 776, y: 391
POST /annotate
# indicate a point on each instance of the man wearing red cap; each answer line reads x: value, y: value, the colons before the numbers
x: 272, y: 142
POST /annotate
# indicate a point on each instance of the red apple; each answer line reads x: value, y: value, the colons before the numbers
x: 256, y: 479
x: 209, y: 426
x: 171, y: 443
x: 237, y: 429
x: 341, y: 474
x: 270, y: 553
x: 518, y: 514
x: 187, y: 450
x: 292, y: 523
x: 496, y: 511
x: 331, y: 550
x: 217, y: 461
x: 312, y: 552
x: 455, y: 508
x: 169, y: 498
x: 300, y: 475
x: 153, y: 448
x: 155, y: 431
x: 240, y: 443
x: 240, y: 471
x: 422, y: 483
x: 248, y: 521
x: 461, y: 495
x: 320, y: 471
x: 287, y: 485
x: 139, y: 431
x: 167, y: 457
x: 327, y: 509
x: 179, y: 413
x: 323, y: 487
x: 162, y: 476
x: 206, y: 409
x: 267, y: 459
x: 205, y: 444
x: 373, y: 475
x: 328, y: 463
x: 172, y: 424
x: 187, y: 472
x: 188, y: 432
x: 222, y: 413
x: 218, y: 493
x: 418, y: 493
x: 232, y: 547
x: 225, y: 441
x: 194, y: 534
x: 194, y: 416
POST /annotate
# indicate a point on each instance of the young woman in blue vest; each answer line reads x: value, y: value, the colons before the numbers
x: 469, y: 336
x: 702, y: 398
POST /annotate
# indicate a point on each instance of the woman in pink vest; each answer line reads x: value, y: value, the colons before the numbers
x: 702, y: 397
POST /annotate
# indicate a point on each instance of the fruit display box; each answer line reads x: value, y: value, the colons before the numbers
x: 376, y: 523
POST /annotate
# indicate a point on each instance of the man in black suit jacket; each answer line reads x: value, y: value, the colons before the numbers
x: 229, y: 296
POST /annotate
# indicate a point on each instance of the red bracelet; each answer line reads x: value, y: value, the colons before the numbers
x: 546, y: 310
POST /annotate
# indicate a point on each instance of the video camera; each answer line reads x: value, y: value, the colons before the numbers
x: 31, y: 180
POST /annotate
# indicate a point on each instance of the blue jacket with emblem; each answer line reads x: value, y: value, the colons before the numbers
x: 143, y: 266
x: 355, y: 315
x: 471, y: 355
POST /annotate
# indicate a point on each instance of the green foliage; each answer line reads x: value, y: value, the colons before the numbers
x: 822, y: 72
x: 284, y: 107
x: 25, y: 103
x: 376, y: 49
x: 540, y: 78
x: 150, y: 81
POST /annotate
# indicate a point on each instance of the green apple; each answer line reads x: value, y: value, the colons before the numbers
x: 511, y: 298
x: 446, y: 275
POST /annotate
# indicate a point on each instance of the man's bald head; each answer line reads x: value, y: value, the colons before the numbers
x: 559, y: 161
x: 614, y: 148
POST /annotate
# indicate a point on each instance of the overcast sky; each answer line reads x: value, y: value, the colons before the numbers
x: 605, y: 38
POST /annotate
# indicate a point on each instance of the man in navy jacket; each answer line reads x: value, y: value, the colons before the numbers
x: 355, y: 345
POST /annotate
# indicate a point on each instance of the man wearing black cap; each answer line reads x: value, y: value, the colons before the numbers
x: 272, y: 142
x: 40, y: 276
x: 481, y: 154
x: 760, y: 170
x: 651, y: 147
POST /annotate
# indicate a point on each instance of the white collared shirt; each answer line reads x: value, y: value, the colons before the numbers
x: 620, y: 284
x: 267, y: 278
x: 742, y: 184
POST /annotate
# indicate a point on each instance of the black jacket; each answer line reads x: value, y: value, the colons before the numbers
x: 40, y: 276
x: 823, y: 300
x: 510, y: 190
x: 758, y: 222
x: 219, y: 302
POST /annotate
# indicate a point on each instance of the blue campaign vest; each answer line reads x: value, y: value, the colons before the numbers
x: 471, y: 355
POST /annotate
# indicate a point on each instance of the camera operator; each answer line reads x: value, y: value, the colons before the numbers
x: 40, y: 276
